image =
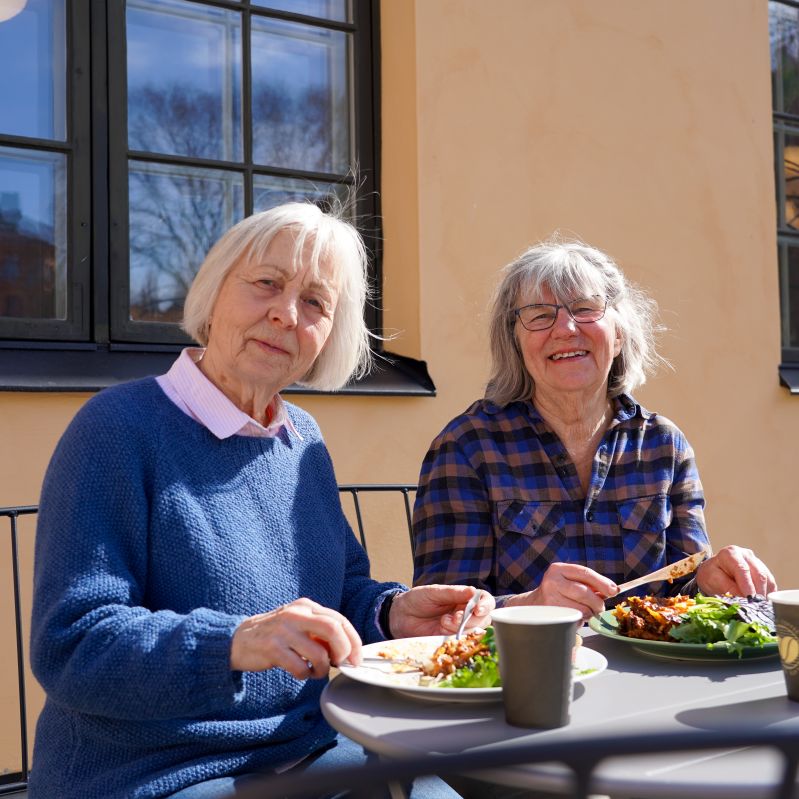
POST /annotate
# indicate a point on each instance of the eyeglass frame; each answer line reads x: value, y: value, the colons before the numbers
x: 517, y: 313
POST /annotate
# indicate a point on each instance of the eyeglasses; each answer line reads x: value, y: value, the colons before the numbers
x: 542, y: 315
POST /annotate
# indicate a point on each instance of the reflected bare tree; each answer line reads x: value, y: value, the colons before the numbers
x: 299, y: 131
x: 177, y: 211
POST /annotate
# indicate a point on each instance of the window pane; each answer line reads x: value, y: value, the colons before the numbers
x: 33, y: 242
x: 184, y: 79
x: 787, y: 146
x: 271, y: 191
x: 33, y: 70
x: 337, y: 10
x: 789, y: 294
x: 300, y: 96
x: 176, y: 214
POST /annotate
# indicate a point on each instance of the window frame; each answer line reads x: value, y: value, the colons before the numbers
x: 90, y: 355
x: 76, y: 148
x: 783, y: 123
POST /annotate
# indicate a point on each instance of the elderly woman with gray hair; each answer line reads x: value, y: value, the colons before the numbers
x: 195, y: 576
x: 557, y: 485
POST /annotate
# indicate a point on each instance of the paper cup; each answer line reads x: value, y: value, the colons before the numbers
x: 534, y: 645
x: 786, y: 616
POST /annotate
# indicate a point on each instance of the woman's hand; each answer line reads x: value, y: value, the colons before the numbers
x: 570, y: 585
x: 436, y: 610
x: 736, y: 570
x: 303, y: 637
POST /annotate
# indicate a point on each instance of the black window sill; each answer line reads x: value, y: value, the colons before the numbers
x: 90, y: 367
x: 789, y: 377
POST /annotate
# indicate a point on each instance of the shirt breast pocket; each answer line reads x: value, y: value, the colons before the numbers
x: 643, y: 522
x: 528, y: 533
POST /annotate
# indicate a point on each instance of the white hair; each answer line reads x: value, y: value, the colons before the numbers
x: 570, y: 269
x: 332, y: 239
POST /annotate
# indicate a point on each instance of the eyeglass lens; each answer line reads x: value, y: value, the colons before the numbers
x: 543, y: 315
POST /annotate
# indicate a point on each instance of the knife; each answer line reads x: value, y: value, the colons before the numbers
x: 677, y: 569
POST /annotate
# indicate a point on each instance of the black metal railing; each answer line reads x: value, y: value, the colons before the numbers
x: 355, y: 489
x: 11, y: 783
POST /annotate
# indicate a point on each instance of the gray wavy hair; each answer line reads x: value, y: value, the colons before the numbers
x: 332, y: 239
x: 570, y: 269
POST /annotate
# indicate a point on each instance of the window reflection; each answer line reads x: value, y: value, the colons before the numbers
x: 184, y: 79
x: 33, y: 72
x: 300, y: 96
x: 790, y: 177
x: 270, y: 191
x: 337, y: 10
x: 33, y: 243
x: 789, y: 284
x: 176, y: 214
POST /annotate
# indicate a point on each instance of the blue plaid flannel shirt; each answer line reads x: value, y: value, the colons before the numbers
x: 499, y: 500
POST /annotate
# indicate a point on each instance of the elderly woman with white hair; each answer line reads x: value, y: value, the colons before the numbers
x: 557, y: 485
x: 195, y: 576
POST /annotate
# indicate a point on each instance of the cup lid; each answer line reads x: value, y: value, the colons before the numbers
x: 536, y: 614
x: 790, y: 596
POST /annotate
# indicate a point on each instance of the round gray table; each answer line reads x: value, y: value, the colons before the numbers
x: 638, y: 693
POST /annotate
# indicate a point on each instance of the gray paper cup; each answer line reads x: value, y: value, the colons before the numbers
x: 534, y: 645
x: 786, y: 615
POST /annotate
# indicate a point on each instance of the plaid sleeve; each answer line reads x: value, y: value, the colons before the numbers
x: 452, y: 535
x: 686, y: 534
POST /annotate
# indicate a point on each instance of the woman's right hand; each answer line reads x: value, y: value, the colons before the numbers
x: 303, y: 637
x: 572, y: 586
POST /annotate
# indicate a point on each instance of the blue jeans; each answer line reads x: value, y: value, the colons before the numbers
x: 343, y: 752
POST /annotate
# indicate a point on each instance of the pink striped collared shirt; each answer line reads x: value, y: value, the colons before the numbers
x: 200, y: 399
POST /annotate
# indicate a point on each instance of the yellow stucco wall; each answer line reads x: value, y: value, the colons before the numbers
x: 645, y: 129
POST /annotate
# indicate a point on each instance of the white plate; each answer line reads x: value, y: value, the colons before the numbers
x: 587, y: 664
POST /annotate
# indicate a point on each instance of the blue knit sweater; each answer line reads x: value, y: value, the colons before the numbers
x: 155, y: 540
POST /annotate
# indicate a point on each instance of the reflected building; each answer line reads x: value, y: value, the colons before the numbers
x: 27, y: 265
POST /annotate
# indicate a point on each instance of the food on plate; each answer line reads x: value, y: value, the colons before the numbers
x: 651, y: 617
x: 470, y: 662
x: 738, y: 622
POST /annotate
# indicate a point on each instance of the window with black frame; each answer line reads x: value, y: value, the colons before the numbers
x: 784, y: 36
x: 134, y: 133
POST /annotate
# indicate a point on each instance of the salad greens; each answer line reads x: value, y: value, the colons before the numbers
x: 712, y: 620
x: 482, y: 672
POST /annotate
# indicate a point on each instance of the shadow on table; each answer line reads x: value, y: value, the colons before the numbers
x: 760, y: 714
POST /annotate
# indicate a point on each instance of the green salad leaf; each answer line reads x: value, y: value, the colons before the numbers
x: 712, y: 620
x: 481, y: 672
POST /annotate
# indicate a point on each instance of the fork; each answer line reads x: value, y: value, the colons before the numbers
x: 467, y: 613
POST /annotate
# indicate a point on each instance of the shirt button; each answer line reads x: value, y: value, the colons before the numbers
x: 589, y: 516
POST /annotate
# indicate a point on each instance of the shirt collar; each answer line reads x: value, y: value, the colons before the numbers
x: 212, y: 409
x: 624, y: 408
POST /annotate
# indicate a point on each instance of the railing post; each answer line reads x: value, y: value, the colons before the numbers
x: 23, y: 724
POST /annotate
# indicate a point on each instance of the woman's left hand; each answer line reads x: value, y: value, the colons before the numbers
x: 436, y: 610
x: 735, y: 570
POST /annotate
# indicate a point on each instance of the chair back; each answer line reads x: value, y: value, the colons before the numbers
x: 400, y: 490
x: 580, y: 757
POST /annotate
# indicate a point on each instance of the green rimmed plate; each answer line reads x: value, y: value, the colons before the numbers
x: 606, y: 624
